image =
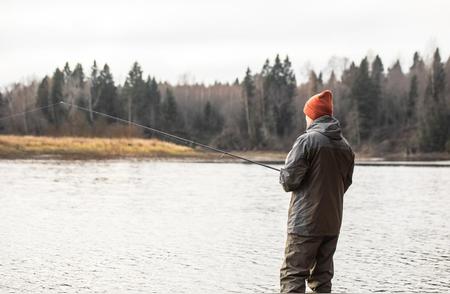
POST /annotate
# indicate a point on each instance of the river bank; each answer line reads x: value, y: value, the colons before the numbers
x: 35, y: 147
x: 82, y: 148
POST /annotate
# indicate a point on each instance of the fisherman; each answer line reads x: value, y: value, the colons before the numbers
x: 318, y: 170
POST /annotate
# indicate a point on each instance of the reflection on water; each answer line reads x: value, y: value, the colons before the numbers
x: 140, y: 226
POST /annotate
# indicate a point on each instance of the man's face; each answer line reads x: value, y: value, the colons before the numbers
x: 308, y: 121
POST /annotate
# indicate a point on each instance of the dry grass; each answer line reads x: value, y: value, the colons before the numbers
x: 79, y: 147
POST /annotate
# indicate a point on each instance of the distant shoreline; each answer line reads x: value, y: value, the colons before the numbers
x: 83, y: 148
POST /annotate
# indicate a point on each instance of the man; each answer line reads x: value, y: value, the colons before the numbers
x: 318, y: 170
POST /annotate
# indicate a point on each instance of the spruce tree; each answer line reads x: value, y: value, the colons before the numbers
x: 148, y: 112
x: 107, y: 94
x: 419, y: 69
x: 3, y: 112
x: 67, y: 72
x: 346, y: 109
x: 266, y: 68
x: 208, y: 124
x: 154, y: 93
x: 78, y: 76
x: 213, y: 119
x: 59, y: 112
x: 285, y: 121
x: 135, y: 93
x: 434, y: 126
x: 249, y: 110
x: 377, y: 78
x: 315, y: 83
x: 438, y: 76
x: 362, y: 96
x: 332, y: 80
x: 94, y: 91
x: 172, y: 122
x: 413, y: 94
x: 265, y: 72
x: 320, y: 81
x: 279, y: 86
x: 43, y: 99
x: 416, y: 59
x: 76, y: 87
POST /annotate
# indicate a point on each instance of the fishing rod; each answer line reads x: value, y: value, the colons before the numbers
x: 184, y: 140
x: 28, y: 111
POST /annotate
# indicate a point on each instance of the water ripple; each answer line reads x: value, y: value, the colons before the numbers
x: 155, y: 227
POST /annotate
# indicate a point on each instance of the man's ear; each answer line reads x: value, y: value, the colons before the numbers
x: 308, y: 120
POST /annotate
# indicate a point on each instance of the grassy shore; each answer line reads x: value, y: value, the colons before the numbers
x: 35, y: 147
x: 89, y: 148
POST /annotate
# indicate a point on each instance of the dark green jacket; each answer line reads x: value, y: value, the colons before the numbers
x: 318, y: 170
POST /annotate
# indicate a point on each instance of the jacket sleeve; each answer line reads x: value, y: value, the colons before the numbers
x: 349, y: 177
x: 296, y: 166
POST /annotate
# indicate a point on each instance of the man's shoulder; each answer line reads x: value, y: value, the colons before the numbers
x: 347, y: 144
x: 302, y: 140
x: 315, y: 138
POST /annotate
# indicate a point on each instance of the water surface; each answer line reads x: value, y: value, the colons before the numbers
x: 145, y: 226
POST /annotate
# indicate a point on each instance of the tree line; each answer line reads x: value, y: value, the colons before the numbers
x: 380, y: 110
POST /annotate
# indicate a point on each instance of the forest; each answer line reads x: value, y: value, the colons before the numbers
x: 381, y: 110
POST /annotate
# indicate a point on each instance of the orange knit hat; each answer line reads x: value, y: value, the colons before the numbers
x: 319, y: 105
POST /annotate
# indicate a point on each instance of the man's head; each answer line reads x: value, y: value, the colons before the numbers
x: 318, y: 105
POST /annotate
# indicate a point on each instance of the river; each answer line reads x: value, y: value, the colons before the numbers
x: 148, y: 226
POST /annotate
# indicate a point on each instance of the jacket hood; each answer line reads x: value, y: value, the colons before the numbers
x: 326, y: 125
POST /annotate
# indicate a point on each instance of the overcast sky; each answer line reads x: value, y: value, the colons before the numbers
x: 209, y: 39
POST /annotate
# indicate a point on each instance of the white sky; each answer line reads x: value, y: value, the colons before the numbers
x: 210, y: 39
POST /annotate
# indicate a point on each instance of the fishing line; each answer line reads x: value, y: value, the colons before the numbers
x: 28, y: 111
x: 184, y: 140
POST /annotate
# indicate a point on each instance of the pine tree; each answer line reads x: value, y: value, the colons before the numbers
x: 107, y: 101
x: 94, y: 91
x: 78, y: 76
x: 419, y: 69
x: 377, y: 78
x: 172, y: 121
x: 438, y: 75
x: 155, y: 95
x: 213, y: 119
x: 347, y: 105
x: 43, y: 98
x: 208, y: 124
x: 320, y: 80
x: 434, y: 128
x: 349, y: 75
x: 362, y: 97
x: 395, y: 99
x: 314, y: 83
x: 417, y: 62
x: 413, y: 94
x: 332, y: 80
x: 279, y: 86
x: 149, y: 108
x: 266, y: 68
x: 285, y: 120
x: 265, y: 72
x: 135, y: 93
x: 249, y: 89
x: 3, y: 103
x: 74, y: 86
x: 67, y: 72
x: 59, y: 112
